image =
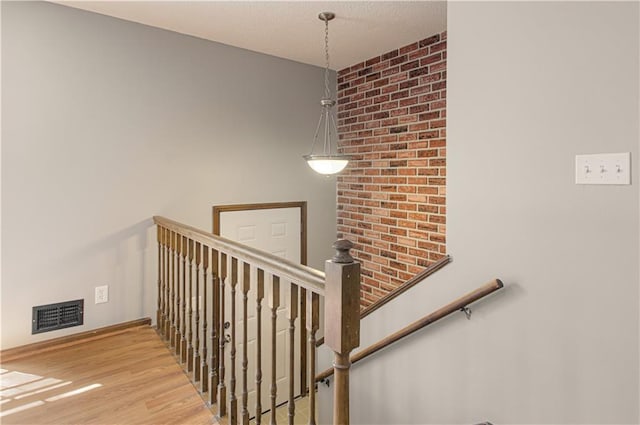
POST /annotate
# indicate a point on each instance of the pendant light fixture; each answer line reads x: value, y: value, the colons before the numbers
x: 328, y: 161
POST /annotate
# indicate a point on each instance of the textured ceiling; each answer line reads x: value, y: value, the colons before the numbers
x: 292, y: 30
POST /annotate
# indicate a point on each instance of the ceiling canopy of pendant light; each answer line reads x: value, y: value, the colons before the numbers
x: 328, y: 161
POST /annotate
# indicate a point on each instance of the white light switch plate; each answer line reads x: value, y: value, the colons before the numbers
x: 605, y: 168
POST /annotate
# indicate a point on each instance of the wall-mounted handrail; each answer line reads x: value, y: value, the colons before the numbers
x: 428, y: 271
x: 442, y: 312
x: 307, y: 277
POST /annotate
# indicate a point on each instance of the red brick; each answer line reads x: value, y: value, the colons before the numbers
x: 441, y: 66
x: 399, y: 112
x: 389, y: 89
x: 392, y: 197
x: 389, y: 55
x: 409, y: 48
x: 375, y: 60
x: 398, y: 60
x: 398, y: 77
x: 438, y: 47
x: 431, y: 40
x: 417, y: 53
x: 390, y: 71
x: 431, y: 59
x: 408, y: 102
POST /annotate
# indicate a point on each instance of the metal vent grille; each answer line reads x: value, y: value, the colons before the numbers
x: 57, y: 316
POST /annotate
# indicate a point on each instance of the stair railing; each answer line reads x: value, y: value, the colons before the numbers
x: 205, y: 283
x: 395, y: 293
x: 460, y: 304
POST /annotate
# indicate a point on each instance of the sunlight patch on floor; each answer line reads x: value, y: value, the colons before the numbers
x: 74, y: 392
x: 16, y: 385
x: 29, y: 387
x: 53, y: 387
x: 21, y: 408
x: 12, y: 379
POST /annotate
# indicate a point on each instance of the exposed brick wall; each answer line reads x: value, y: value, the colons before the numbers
x: 391, y: 198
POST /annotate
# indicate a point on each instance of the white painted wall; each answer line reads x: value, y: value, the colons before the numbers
x: 107, y: 123
x: 531, y: 84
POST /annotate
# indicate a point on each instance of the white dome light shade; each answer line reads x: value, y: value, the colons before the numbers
x: 327, y: 164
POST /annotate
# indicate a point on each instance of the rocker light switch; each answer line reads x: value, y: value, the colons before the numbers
x: 605, y: 168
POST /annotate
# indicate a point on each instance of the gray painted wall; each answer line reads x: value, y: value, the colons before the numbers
x: 530, y: 86
x: 107, y: 123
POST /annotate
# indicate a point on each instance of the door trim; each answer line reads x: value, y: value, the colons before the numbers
x: 302, y: 205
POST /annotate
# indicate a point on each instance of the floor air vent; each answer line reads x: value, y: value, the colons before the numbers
x: 57, y: 316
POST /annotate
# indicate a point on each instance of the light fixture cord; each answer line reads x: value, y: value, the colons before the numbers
x: 327, y: 92
x: 326, y: 109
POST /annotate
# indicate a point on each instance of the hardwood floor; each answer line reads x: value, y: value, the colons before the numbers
x: 126, y: 378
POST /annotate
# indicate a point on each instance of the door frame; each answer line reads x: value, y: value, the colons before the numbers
x: 302, y: 205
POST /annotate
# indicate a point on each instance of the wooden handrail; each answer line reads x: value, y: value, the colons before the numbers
x: 431, y: 269
x: 307, y: 277
x: 442, y: 312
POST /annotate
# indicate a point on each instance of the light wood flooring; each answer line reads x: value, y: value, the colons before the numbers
x: 126, y: 378
x: 282, y: 413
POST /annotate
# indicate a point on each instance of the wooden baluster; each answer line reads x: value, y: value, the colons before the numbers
x: 172, y: 264
x: 233, y: 401
x: 178, y: 293
x: 186, y: 264
x: 173, y: 289
x: 179, y: 279
x: 292, y: 315
x: 196, y: 347
x: 186, y: 301
x: 303, y: 342
x: 167, y: 288
x: 215, y: 321
x: 167, y: 275
x: 259, y: 297
x: 177, y: 241
x: 204, y: 368
x: 313, y: 323
x: 274, y: 303
x: 222, y: 389
x: 165, y: 284
x: 159, y: 308
x: 246, y: 284
x: 342, y: 322
x: 181, y: 339
x: 187, y: 353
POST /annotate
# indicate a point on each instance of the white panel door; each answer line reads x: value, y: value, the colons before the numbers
x: 274, y: 230
x: 278, y: 232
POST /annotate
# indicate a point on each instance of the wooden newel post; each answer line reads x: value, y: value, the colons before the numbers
x: 342, y: 321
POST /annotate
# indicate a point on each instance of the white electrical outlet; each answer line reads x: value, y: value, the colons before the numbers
x: 102, y: 294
